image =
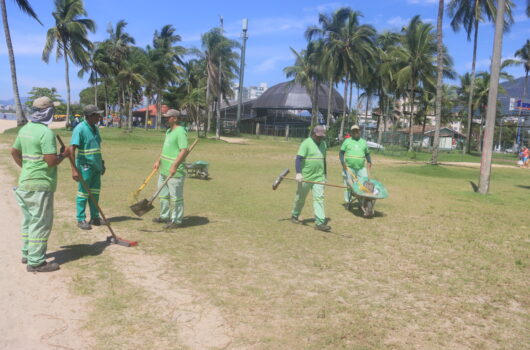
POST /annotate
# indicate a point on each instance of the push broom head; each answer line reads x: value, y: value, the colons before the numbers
x: 142, y: 207
x: 121, y: 241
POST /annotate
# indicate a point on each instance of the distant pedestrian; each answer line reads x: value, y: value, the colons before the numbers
x: 526, y: 157
x: 35, y: 151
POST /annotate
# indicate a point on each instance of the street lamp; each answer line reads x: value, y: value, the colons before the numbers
x: 244, y: 38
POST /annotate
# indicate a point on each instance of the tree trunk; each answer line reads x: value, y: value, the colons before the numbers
x: 67, y: 86
x: 106, y: 103
x: 439, y: 83
x: 208, y: 107
x: 330, y: 96
x: 480, y: 133
x: 314, y: 104
x: 411, y: 119
x: 21, y: 118
x: 96, y: 89
x: 368, y: 101
x: 485, y: 164
x: 129, y: 119
x: 219, y: 99
x: 467, y: 148
x: 341, y: 132
x: 146, y: 112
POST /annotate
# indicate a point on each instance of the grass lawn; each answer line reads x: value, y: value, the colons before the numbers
x: 439, y: 267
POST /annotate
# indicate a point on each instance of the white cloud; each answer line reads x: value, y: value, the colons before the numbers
x: 25, y: 44
x: 326, y: 7
x: 480, y: 64
x: 398, y: 21
x: 520, y: 18
x: 270, y: 64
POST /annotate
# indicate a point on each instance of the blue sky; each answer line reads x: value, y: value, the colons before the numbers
x: 274, y: 26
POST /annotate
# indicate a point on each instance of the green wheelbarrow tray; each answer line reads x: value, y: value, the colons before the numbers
x: 380, y: 191
x: 197, y: 164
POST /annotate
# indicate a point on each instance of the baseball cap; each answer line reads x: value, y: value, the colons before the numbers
x: 172, y: 113
x: 319, y: 130
x: 91, y: 109
x: 355, y: 127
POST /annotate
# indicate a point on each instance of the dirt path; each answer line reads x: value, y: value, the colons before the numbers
x: 236, y: 140
x: 42, y: 314
x: 200, y: 325
x: 38, y: 312
x: 458, y: 164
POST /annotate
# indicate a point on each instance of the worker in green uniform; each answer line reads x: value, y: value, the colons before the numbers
x: 86, y: 139
x: 310, y: 165
x: 34, y: 151
x: 354, y: 154
x: 171, y: 163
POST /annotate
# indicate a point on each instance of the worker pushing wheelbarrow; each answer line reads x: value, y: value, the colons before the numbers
x: 356, y: 162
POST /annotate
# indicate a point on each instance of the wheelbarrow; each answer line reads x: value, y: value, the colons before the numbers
x: 197, y: 169
x: 364, y: 193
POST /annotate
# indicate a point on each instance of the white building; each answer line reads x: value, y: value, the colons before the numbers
x: 251, y: 92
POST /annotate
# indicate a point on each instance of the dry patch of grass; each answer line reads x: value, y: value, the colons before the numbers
x: 439, y: 267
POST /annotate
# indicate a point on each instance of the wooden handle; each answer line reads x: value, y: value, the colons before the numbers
x: 87, y: 189
x: 169, y: 177
x: 316, y: 183
x: 146, y: 181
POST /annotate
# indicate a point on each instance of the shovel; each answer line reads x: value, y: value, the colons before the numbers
x: 146, y: 205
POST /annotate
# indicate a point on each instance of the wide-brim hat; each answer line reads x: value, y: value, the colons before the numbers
x: 44, y: 102
x: 172, y: 113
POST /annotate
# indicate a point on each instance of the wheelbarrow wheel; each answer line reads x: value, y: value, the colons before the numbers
x: 368, y: 207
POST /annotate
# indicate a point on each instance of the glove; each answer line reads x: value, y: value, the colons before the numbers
x: 103, y: 168
x: 299, y: 177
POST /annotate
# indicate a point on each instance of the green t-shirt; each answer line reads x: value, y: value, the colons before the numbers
x: 88, y: 143
x: 35, y: 140
x: 175, y: 141
x: 313, y: 167
x: 355, y: 152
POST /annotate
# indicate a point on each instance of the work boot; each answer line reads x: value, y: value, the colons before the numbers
x: 172, y: 225
x: 83, y: 225
x: 44, y: 267
x: 294, y: 220
x: 24, y: 260
x: 97, y: 221
x: 323, y: 227
x: 161, y: 221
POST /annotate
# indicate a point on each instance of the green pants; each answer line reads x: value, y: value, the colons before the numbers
x: 318, y: 201
x: 360, y: 173
x: 173, y: 192
x: 37, y: 211
x: 92, y: 178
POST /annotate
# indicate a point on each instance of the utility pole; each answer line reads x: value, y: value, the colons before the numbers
x: 244, y: 38
x: 485, y: 163
x: 220, y: 74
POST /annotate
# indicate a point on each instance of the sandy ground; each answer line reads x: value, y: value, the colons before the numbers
x: 8, y: 124
x: 38, y: 312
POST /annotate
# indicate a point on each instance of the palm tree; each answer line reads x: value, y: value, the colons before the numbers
x: 165, y: 58
x: 131, y: 77
x: 352, y: 47
x: 439, y: 81
x: 523, y: 55
x: 485, y: 164
x: 303, y: 73
x: 482, y: 89
x: 116, y: 49
x: 218, y: 48
x: 468, y: 14
x: 416, y: 55
x: 69, y: 37
x: 25, y: 6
